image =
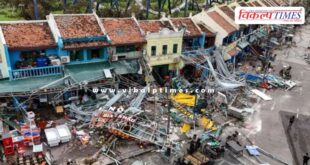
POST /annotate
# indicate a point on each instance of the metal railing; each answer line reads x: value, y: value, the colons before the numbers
x: 194, y: 52
x: 130, y: 55
x: 36, y: 72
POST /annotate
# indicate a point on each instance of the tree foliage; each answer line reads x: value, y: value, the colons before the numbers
x: 104, y: 8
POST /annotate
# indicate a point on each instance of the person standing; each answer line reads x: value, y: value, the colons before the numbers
x: 305, y: 159
x: 291, y: 122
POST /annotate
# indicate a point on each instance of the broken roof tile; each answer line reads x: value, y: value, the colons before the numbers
x: 207, y: 31
x: 233, y: 52
x: 88, y: 44
x: 78, y: 26
x: 191, y: 30
x: 228, y: 12
x: 222, y: 22
x: 123, y: 31
x: 28, y: 35
x: 154, y: 25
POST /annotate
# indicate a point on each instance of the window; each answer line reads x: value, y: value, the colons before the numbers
x: 125, y: 49
x: 76, y: 55
x: 175, y: 48
x: 94, y: 54
x: 153, y: 51
x: 165, y: 47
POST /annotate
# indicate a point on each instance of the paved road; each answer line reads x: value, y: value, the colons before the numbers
x: 272, y: 135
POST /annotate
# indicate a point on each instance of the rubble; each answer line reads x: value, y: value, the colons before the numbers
x: 183, y: 125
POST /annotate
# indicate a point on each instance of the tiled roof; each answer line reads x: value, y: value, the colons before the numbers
x: 233, y: 52
x: 274, y: 2
x: 222, y: 22
x: 250, y: 4
x: 266, y: 3
x: 281, y: 2
x: 78, y: 26
x: 154, y: 25
x: 206, y: 30
x: 89, y: 44
x: 256, y: 4
x: 28, y: 35
x: 243, y: 4
x: 123, y: 31
x: 191, y: 28
x: 228, y: 12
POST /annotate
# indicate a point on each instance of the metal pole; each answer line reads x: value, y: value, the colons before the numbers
x: 169, y: 106
x: 194, y: 114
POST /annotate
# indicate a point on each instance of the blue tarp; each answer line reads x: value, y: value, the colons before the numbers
x: 251, y: 77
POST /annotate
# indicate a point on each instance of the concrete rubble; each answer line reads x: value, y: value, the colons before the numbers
x: 179, y: 127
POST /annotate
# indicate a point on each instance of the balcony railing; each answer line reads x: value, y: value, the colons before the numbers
x: 36, y: 72
x: 194, y: 52
x: 129, y: 55
x: 163, y: 59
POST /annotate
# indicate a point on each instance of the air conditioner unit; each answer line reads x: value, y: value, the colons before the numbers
x: 55, y: 62
x: 65, y: 59
x: 114, y: 58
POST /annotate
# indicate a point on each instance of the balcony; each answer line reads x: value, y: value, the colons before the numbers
x: 36, y: 72
x: 195, y: 52
x: 129, y: 55
x: 163, y: 59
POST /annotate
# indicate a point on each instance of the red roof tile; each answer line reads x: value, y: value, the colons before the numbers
x: 123, y: 31
x: 266, y: 3
x: 233, y: 52
x: 222, y: 22
x: 154, y: 25
x: 256, y: 4
x: 80, y: 45
x: 191, y: 28
x: 28, y: 35
x: 243, y: 4
x: 78, y: 26
x: 228, y: 12
x: 206, y: 30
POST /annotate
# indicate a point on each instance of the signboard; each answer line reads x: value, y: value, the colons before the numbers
x: 270, y: 15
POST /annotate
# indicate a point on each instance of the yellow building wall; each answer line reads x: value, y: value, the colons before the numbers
x: 171, y: 59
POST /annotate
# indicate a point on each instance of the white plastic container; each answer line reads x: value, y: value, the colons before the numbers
x: 52, y: 137
x: 64, y: 133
